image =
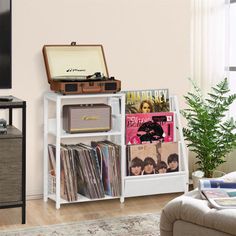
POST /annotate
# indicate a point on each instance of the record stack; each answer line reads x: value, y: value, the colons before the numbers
x: 68, y: 181
x: 91, y: 171
x: 110, y: 162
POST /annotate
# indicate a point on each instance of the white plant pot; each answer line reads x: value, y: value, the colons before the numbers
x: 196, y: 175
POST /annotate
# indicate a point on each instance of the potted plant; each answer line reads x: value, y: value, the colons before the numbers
x: 209, y: 133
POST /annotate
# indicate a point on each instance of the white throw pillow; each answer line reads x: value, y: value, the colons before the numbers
x: 231, y: 177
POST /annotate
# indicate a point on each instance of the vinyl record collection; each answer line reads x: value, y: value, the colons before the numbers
x: 92, y: 171
x: 150, y: 133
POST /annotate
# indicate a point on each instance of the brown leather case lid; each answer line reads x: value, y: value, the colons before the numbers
x: 71, y: 61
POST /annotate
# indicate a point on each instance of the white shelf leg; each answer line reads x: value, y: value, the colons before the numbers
x: 122, y: 199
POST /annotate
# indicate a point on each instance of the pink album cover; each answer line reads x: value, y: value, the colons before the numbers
x: 149, y: 127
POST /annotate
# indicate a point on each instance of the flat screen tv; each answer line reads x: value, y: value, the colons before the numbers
x: 5, y: 44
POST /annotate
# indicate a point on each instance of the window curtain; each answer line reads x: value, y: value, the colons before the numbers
x: 209, y: 42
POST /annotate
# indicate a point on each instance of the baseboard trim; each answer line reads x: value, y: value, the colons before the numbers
x: 34, y: 197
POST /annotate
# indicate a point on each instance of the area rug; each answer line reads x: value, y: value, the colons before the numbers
x: 144, y: 224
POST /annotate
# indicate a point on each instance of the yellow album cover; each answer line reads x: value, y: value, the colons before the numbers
x: 147, y: 101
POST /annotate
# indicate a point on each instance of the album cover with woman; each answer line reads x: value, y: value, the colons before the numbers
x: 144, y: 128
x: 147, y: 101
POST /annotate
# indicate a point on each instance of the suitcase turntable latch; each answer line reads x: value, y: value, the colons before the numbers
x: 73, y: 43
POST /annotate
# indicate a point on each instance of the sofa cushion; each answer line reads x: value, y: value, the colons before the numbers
x: 192, y: 209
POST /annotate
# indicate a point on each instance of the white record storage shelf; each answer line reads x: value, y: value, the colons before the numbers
x: 53, y: 104
x: 162, y: 183
x: 131, y: 185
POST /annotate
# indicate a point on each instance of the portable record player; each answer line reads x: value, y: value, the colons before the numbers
x: 78, y: 69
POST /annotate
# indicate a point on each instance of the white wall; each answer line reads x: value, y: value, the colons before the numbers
x: 146, y: 43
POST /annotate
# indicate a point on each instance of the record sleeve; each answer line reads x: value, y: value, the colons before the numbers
x: 142, y: 155
x: 147, y: 101
x: 144, y: 128
x: 169, y: 156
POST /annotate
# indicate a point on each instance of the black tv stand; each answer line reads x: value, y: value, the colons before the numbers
x: 13, y: 159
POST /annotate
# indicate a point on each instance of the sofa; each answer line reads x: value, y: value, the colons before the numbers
x: 190, y: 215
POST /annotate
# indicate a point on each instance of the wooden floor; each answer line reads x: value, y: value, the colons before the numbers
x: 44, y: 213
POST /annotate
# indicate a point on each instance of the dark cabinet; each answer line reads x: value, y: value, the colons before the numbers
x: 13, y: 159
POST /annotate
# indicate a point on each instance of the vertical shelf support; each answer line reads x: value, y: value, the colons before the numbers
x: 123, y: 151
x: 181, y: 137
x: 23, y: 161
x: 45, y: 150
x: 58, y: 162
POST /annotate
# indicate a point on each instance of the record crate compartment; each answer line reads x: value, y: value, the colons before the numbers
x: 151, y: 184
x: 55, y: 134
